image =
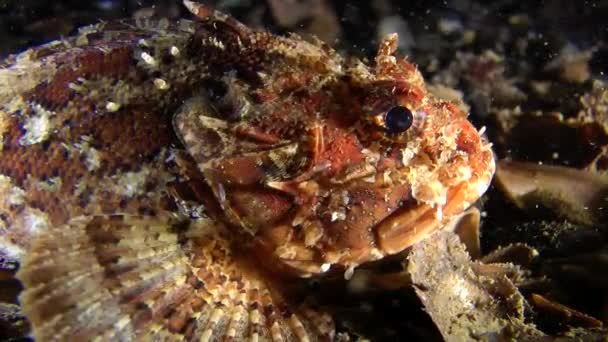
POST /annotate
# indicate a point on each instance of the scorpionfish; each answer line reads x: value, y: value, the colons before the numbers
x: 168, y: 180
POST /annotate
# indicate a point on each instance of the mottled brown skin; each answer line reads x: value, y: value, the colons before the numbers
x: 136, y: 137
x: 169, y: 162
x: 297, y: 153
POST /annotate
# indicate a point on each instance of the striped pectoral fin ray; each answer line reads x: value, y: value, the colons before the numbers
x: 150, y: 278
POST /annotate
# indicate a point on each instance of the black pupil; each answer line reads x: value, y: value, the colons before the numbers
x: 398, y: 119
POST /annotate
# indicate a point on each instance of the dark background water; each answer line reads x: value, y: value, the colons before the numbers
x: 27, y: 22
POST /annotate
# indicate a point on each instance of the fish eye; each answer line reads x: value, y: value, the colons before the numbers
x: 398, y: 119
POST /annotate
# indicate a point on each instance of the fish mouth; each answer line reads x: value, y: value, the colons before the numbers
x: 408, y: 226
x: 381, y: 219
x: 410, y: 223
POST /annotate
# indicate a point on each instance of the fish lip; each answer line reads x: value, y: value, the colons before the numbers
x: 418, y: 221
x: 408, y: 226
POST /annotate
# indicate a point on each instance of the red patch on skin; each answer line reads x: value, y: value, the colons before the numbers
x: 468, y: 138
x: 112, y: 64
x: 263, y: 96
x: 369, y: 205
x: 258, y: 135
x: 407, y: 66
x: 453, y: 109
x: 390, y: 161
x: 340, y: 150
x: 240, y: 170
x: 413, y: 97
x: 261, y: 207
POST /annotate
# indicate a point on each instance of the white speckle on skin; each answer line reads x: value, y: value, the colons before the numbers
x: 174, y: 51
x: 439, y: 213
x: 50, y: 184
x: 170, y: 156
x: 3, y: 127
x: 376, y: 254
x: 464, y: 173
x: 112, y: 106
x: 407, y: 154
x: 432, y: 192
x: 11, y: 194
x: 221, y: 193
x: 148, y: 58
x: 131, y: 184
x: 161, y: 84
x: 484, y: 184
x: 336, y: 215
x: 79, y: 187
x: 212, y: 41
x: 92, y: 160
x: 121, y: 323
x: 76, y: 87
x: 35, y: 221
x: 37, y: 126
x: 386, y: 177
x: 11, y: 250
x: 370, y: 179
